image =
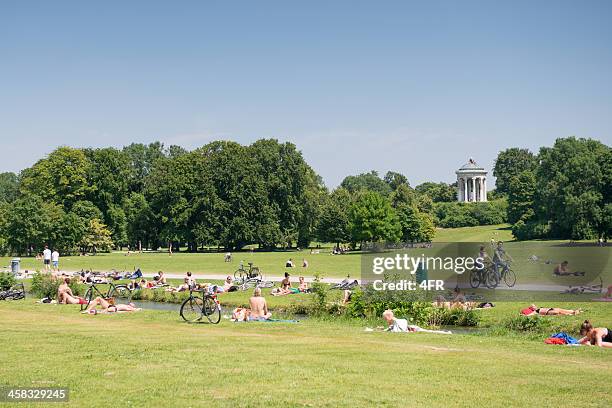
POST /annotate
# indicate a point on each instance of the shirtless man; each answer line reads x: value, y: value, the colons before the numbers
x: 259, y: 307
x: 65, y: 295
x: 563, y: 270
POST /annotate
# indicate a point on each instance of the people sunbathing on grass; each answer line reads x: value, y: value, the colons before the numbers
x: 595, y: 336
x: 563, y: 270
x: 65, y: 295
x: 188, y: 283
x: 401, y: 325
x: 107, y: 306
x: 258, y: 309
x: 259, y: 306
x: 303, y: 285
x: 228, y: 285
x: 548, y: 311
x: 285, y: 287
x: 458, y: 301
x: 160, y: 278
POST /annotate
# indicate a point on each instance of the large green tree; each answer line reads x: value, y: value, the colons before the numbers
x: 62, y: 177
x: 366, y: 182
x: 9, y: 187
x: 510, y: 163
x: 333, y: 225
x: 372, y: 219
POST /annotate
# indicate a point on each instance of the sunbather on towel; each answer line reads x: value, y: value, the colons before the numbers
x: 548, y: 311
x: 401, y: 325
x: 595, y: 336
x: 65, y: 295
x: 563, y: 270
x: 108, y: 307
x: 259, y: 307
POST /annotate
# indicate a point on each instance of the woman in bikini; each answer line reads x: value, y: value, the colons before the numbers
x: 595, y: 336
x: 548, y: 311
x: 108, y: 307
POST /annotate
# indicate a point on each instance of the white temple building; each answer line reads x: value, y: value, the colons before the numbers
x: 471, y: 183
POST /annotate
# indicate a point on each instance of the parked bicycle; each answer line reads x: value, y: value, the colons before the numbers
x: 243, y: 274
x: 15, y: 292
x: 201, y: 304
x: 121, y: 292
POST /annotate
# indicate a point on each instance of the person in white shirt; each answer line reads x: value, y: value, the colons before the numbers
x: 47, y: 259
x: 55, y: 260
x: 401, y: 325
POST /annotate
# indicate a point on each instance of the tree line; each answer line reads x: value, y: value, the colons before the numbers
x: 227, y: 195
x: 562, y: 192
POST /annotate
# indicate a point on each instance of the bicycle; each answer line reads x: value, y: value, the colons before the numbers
x: 485, y: 276
x: 195, y: 307
x: 15, y: 292
x: 242, y: 274
x: 114, y: 291
x: 507, y: 274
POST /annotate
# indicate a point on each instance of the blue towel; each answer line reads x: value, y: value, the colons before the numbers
x: 568, y: 339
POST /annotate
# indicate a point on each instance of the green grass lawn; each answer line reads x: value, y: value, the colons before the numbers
x: 151, y: 358
x: 593, y: 260
x: 484, y: 233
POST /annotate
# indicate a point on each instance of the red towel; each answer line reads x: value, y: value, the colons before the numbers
x: 554, y: 340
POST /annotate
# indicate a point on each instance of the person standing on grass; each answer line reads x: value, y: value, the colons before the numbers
x: 55, y: 260
x: 47, y: 259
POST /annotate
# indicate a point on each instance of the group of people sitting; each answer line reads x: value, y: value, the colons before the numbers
x: 67, y: 297
x: 286, y: 287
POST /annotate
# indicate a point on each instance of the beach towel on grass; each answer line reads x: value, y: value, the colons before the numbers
x: 561, y: 338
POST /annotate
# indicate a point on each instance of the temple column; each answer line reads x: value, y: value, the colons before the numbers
x: 465, y: 190
x: 484, y: 190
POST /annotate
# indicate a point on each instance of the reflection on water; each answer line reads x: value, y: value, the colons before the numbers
x: 149, y: 305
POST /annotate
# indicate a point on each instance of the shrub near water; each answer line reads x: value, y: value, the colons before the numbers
x: 7, y: 280
x: 413, y: 305
x: 43, y: 285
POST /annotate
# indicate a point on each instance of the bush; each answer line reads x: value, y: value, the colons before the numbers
x: 412, y: 305
x: 527, y: 324
x: 7, y: 280
x: 454, y: 215
x: 44, y: 285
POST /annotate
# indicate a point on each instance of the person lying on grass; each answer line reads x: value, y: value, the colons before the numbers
x: 107, y: 306
x: 65, y: 295
x: 595, y: 336
x: 548, y: 311
x: 563, y: 270
x: 401, y: 325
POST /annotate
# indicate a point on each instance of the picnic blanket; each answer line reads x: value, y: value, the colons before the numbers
x: 268, y: 321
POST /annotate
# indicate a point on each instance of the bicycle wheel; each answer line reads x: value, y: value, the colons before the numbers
x: 491, y: 279
x: 212, y: 310
x: 192, y: 309
x: 88, y: 298
x: 121, y: 292
x: 474, y: 278
x: 240, y: 274
x: 510, y: 277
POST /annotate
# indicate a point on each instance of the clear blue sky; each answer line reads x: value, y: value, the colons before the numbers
x: 415, y: 87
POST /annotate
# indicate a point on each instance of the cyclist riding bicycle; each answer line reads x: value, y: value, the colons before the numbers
x: 501, y: 258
